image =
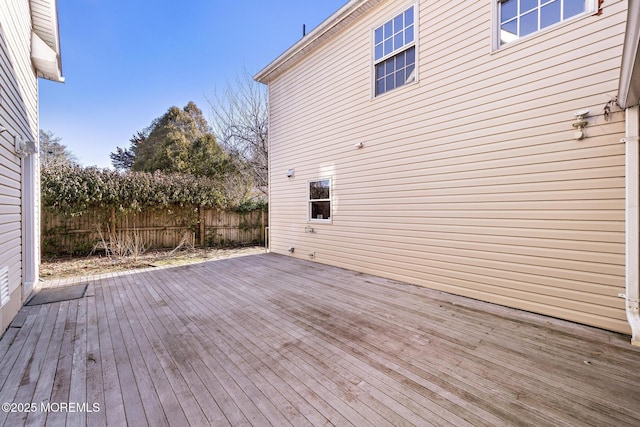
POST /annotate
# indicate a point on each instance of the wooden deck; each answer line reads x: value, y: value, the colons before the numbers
x: 269, y: 340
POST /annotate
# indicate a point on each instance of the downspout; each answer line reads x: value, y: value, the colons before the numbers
x: 30, y: 223
x: 267, y: 231
x: 632, y: 173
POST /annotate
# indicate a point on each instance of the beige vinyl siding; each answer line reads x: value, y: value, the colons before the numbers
x: 470, y: 180
x: 18, y: 113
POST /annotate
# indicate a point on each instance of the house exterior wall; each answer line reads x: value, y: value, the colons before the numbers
x: 470, y: 181
x: 19, y: 115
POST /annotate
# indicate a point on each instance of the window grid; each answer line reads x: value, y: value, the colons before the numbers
x: 320, y: 200
x: 519, y: 18
x: 394, y: 52
x: 395, y: 71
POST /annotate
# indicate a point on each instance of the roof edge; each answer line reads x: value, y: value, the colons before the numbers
x: 319, y: 34
x: 47, y: 28
x: 628, y: 94
x: 45, y: 59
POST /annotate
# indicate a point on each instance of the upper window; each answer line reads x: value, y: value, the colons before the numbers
x: 395, y: 52
x: 519, y: 18
x: 320, y: 200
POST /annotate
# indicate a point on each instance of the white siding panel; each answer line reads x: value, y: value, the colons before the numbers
x: 470, y: 180
x: 18, y: 114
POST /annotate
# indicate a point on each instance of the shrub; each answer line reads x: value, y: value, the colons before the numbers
x: 74, y: 190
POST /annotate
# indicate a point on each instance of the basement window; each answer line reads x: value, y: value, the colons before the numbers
x: 394, y: 53
x: 320, y: 200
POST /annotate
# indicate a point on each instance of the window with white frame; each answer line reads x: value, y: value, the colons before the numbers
x: 320, y: 200
x: 394, y: 52
x: 519, y: 18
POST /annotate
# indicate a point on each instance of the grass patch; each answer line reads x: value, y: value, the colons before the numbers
x: 61, y: 267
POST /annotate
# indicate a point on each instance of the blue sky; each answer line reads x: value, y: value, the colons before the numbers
x: 127, y: 61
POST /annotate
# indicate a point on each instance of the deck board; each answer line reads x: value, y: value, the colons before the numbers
x: 365, y: 347
x: 93, y: 362
x: 37, y: 365
x: 20, y: 362
x: 44, y: 387
x: 271, y: 340
x: 78, y: 381
x: 164, y: 345
x: 291, y: 343
x: 203, y: 379
x: 113, y: 397
x: 168, y: 385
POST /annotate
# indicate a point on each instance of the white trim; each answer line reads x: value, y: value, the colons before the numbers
x: 5, y: 295
x: 45, y: 60
x: 269, y: 174
x: 632, y: 168
x: 30, y: 223
x: 628, y: 94
x: 590, y: 8
x: 336, y: 22
x: 45, y: 39
x: 330, y: 200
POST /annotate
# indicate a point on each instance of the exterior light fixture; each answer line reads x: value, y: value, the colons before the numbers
x: 3, y: 129
x: 290, y: 173
x: 359, y: 144
x: 24, y: 148
x: 580, y: 123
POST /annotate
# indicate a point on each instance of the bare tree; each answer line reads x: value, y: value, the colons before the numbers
x: 52, y: 153
x: 240, y: 123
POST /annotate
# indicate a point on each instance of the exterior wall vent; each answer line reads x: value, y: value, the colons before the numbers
x: 4, y: 286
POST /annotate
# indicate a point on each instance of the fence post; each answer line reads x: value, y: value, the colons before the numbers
x: 263, y: 230
x: 203, y: 229
x: 113, y: 221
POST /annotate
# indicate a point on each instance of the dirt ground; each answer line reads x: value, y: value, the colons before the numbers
x: 95, y: 264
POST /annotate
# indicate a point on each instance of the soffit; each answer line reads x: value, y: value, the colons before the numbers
x: 44, y: 21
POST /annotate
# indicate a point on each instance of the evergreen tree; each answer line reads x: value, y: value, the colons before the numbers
x: 178, y: 141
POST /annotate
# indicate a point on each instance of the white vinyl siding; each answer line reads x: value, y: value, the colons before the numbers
x: 470, y: 182
x: 18, y: 114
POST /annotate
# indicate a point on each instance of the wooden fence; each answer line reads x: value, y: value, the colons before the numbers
x: 154, y: 228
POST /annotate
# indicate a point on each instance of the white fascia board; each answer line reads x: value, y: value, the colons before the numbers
x: 629, y: 85
x: 44, y: 20
x: 45, y: 60
x: 309, y: 42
